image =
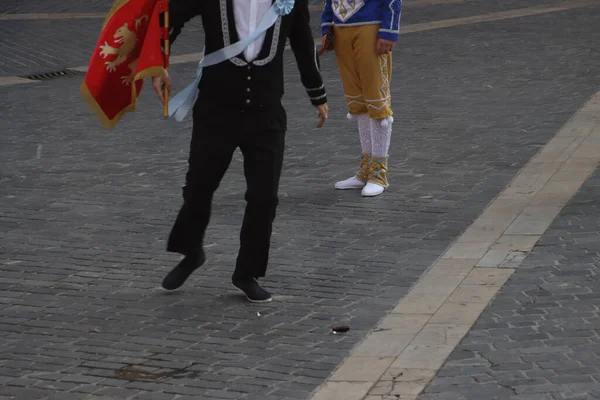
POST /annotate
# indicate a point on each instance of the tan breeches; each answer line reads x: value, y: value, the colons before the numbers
x: 365, y: 75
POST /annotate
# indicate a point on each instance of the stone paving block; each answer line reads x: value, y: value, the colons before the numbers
x: 402, y: 382
x: 558, y: 149
x: 343, y: 391
x: 468, y: 250
x: 437, y: 285
x: 457, y: 313
x: 440, y: 334
x: 487, y: 277
x: 583, y: 126
x: 423, y: 356
x: 452, y: 267
x: 421, y: 303
x: 473, y: 294
x: 362, y: 369
x: 555, y: 192
x: 528, y: 184
x: 494, y: 258
x: 588, y: 148
x: 402, y: 324
x: 382, y: 344
x: 532, y: 224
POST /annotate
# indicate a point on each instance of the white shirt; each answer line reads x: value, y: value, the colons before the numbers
x: 248, y: 13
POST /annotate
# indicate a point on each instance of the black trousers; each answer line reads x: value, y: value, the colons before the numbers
x: 260, y: 134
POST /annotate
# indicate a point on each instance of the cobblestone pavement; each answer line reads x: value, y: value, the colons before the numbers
x: 84, y: 214
x: 538, y: 339
x: 44, y: 45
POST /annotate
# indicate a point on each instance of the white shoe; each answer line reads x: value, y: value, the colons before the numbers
x: 372, y: 189
x: 350, y: 183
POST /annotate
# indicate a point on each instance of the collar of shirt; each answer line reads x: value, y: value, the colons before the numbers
x: 248, y: 13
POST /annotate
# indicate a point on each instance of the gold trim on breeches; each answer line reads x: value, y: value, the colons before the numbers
x: 366, y: 76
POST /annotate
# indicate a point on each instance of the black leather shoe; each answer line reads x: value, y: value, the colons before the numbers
x: 182, y: 271
x: 252, y: 290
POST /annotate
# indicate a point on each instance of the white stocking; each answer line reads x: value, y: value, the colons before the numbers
x: 381, y: 135
x: 364, y: 132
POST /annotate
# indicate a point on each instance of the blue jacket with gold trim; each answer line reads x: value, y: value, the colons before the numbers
x: 364, y: 12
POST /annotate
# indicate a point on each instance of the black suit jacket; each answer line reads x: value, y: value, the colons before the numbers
x: 237, y: 84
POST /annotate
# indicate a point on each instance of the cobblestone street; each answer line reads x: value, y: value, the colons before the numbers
x: 85, y: 213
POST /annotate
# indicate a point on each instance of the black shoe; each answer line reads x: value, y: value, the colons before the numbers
x: 182, y: 271
x: 252, y: 290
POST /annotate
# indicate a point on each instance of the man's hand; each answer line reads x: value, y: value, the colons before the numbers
x: 384, y: 46
x: 159, y: 84
x: 324, y: 49
x: 323, y: 111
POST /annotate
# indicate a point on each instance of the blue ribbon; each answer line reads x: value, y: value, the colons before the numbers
x: 181, y: 103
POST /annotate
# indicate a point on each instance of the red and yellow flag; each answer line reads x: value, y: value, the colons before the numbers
x: 129, y: 50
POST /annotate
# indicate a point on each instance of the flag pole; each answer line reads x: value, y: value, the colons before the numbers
x: 167, y: 51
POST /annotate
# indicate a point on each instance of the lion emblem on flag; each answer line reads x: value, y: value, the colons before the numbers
x: 128, y: 41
